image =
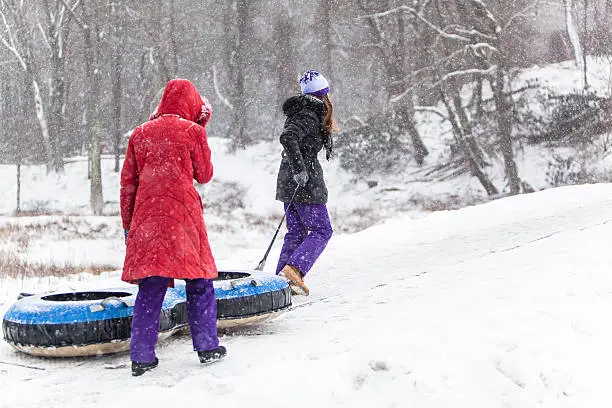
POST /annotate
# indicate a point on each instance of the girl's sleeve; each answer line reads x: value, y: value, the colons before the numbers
x: 290, y: 138
x: 200, y: 158
x: 129, y: 185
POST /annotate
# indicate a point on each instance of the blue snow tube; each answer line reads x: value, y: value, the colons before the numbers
x: 95, y: 322
x: 245, y: 297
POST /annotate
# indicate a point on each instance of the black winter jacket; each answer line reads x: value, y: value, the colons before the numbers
x: 302, y: 139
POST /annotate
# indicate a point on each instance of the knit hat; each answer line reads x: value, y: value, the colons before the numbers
x: 314, y: 83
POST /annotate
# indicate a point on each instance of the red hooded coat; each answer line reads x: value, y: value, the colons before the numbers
x: 159, y: 204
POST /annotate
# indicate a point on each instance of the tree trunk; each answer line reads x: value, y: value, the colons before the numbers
x: 18, y: 208
x: 405, y: 109
x: 477, y: 98
x: 42, y: 122
x: 325, y: 30
x: 572, y: 33
x: 585, y: 42
x: 466, y: 125
x: 21, y: 28
x: 504, y: 123
x: 238, y: 131
x: 117, y: 90
x: 56, y: 114
x: 394, y: 62
x: 173, y: 41
x: 285, y: 58
x: 10, y: 111
x: 420, y: 150
x: 92, y: 74
x: 57, y: 87
x: 468, y: 149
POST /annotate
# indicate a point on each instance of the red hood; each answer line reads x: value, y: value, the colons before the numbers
x: 181, y: 98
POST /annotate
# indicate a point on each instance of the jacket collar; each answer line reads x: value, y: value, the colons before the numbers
x: 303, y: 102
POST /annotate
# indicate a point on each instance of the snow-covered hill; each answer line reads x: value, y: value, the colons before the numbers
x: 505, y: 304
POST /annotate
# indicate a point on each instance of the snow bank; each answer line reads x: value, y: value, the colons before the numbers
x: 504, y: 304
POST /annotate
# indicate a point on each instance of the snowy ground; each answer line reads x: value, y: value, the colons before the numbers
x: 500, y: 305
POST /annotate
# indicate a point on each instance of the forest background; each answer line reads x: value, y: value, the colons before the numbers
x: 77, y: 75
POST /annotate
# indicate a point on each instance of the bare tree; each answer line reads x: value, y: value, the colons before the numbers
x: 89, y: 25
x: 236, y: 43
x: 471, y: 47
x: 57, y: 18
x: 18, y: 36
x: 117, y: 38
x: 467, y: 143
x: 11, y: 108
x: 392, y: 50
x: 93, y: 73
x: 450, y: 95
x: 158, y: 50
x: 285, y: 55
x: 486, y: 28
x: 89, y: 71
x: 325, y: 34
x: 574, y: 37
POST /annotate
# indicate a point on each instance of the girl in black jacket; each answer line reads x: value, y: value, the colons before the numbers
x: 300, y: 184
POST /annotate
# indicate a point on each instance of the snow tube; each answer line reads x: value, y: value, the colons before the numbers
x: 83, y: 323
x: 245, y: 297
x: 99, y: 322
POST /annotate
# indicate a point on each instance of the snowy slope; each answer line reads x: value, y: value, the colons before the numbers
x: 505, y: 304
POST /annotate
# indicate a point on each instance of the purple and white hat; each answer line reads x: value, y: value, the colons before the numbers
x: 314, y: 83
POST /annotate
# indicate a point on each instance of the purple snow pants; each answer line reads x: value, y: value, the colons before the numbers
x: 201, y: 312
x: 308, y: 232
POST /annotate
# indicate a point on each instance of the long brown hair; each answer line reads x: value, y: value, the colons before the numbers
x: 329, y: 125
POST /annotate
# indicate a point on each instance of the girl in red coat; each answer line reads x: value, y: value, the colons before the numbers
x: 163, y: 220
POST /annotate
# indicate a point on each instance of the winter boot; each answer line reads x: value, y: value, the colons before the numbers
x: 211, y: 356
x: 296, y: 282
x: 141, y: 368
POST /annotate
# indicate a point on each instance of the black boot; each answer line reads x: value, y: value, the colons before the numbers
x: 141, y: 368
x: 212, y: 355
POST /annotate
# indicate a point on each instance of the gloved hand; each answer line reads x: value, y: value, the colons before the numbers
x: 154, y: 115
x: 125, y: 234
x: 206, y: 113
x: 301, y: 178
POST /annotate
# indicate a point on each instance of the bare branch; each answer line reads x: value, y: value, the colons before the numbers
x: 446, y: 77
x: 44, y: 35
x: 9, y: 42
x: 481, y: 9
x: 432, y: 110
x: 474, y: 48
x: 60, y: 19
x: 471, y: 71
x: 357, y: 119
x: 477, y: 49
x: 422, y: 6
x: 472, y: 33
x: 71, y: 10
x: 420, y: 17
x: 223, y: 99
x: 522, y: 13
